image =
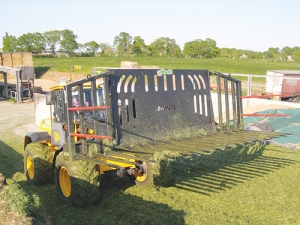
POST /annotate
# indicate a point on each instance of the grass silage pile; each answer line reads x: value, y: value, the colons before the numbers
x: 256, y: 185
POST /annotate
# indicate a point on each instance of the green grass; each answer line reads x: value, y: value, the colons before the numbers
x: 244, y: 66
x: 251, y: 185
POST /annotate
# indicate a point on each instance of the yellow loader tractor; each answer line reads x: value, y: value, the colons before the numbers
x: 132, y: 122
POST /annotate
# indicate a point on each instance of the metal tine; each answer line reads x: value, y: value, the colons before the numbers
x: 216, y: 145
x: 173, y: 146
x: 238, y: 136
x: 221, y: 142
x: 212, y: 146
x: 185, y: 146
x: 134, y: 151
x: 142, y: 149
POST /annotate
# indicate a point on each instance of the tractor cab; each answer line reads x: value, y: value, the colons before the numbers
x: 57, y: 100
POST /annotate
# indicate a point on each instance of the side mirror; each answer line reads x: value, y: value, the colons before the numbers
x: 49, y: 99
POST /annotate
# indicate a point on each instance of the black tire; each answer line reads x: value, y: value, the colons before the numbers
x: 77, y: 181
x: 143, y: 176
x: 38, y: 163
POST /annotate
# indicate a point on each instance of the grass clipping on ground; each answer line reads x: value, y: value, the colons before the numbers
x: 254, y: 184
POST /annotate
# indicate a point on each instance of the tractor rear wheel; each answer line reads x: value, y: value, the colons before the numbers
x: 77, y: 181
x: 38, y: 163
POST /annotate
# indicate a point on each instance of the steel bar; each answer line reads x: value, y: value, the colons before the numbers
x: 268, y: 115
x: 266, y: 96
x: 82, y: 157
x: 91, y: 136
x: 88, y: 108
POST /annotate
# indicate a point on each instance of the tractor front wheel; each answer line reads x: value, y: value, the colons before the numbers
x: 77, y: 181
x: 38, y: 163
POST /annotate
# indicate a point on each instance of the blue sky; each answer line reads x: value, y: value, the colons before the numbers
x: 242, y: 24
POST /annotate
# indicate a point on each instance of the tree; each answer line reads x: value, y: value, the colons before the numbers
x: 253, y: 54
x: 210, y: 48
x: 192, y: 49
x: 236, y: 53
x: 139, y: 47
x: 68, y: 42
x: 274, y: 50
x: 52, y: 38
x: 296, y: 53
x: 201, y: 48
x: 123, y: 42
x: 106, y: 49
x: 224, y: 52
x: 92, y: 46
x: 31, y: 42
x: 165, y: 46
x: 81, y: 47
x: 24, y: 43
x: 158, y: 47
x: 286, y: 51
x: 9, y: 43
x: 272, y: 53
x: 173, y: 49
x: 38, y: 42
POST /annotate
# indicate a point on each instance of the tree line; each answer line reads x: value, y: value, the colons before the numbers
x: 126, y: 45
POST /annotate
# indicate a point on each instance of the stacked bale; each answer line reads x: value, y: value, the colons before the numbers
x: 129, y: 65
x: 27, y: 59
x: 6, y: 59
x: 16, y: 59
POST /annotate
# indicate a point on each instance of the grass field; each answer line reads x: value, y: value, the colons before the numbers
x: 225, y: 65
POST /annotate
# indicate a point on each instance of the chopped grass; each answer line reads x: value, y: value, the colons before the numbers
x: 252, y: 185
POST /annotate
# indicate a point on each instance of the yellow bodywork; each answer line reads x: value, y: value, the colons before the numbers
x: 65, y: 181
x: 45, y: 125
x: 30, y: 167
x: 104, y: 168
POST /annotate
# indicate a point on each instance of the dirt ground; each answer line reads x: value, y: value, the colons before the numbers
x: 19, y: 119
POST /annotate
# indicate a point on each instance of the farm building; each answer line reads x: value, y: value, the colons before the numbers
x: 284, y: 83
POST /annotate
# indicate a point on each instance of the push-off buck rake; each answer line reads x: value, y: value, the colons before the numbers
x: 113, y: 123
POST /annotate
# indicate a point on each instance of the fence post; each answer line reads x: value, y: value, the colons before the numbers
x: 249, y: 92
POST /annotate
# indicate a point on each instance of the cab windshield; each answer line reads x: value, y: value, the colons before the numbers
x: 87, y: 96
